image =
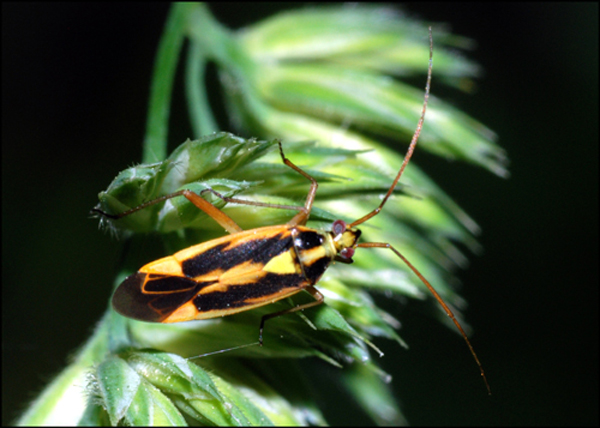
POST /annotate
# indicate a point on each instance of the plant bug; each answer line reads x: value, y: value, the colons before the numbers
x: 251, y: 268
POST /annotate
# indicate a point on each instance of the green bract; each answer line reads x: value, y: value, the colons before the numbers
x: 194, y: 165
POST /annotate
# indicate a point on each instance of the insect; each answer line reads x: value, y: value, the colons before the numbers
x: 251, y: 268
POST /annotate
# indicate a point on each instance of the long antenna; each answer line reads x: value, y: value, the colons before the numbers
x: 413, y: 142
x: 376, y: 211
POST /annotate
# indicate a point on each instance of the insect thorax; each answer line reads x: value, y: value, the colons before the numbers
x: 315, y: 251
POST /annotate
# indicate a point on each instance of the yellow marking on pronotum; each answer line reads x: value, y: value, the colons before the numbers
x: 253, y: 268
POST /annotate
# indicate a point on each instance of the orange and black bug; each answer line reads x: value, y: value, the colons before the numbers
x: 252, y: 268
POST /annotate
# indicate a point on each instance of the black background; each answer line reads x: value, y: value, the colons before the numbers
x: 75, y: 81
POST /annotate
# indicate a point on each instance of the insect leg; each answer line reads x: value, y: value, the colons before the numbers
x: 303, y: 211
x: 437, y: 297
x: 253, y: 203
x: 219, y: 216
x: 302, y: 216
x: 318, y: 300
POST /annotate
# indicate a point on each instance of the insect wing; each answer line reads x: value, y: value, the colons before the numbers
x: 152, y: 297
x: 216, y: 278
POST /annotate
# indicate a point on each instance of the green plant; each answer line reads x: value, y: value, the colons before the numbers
x: 318, y: 79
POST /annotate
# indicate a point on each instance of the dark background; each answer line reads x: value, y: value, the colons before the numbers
x: 75, y: 81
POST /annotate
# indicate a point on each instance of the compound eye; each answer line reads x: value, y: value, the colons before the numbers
x: 347, y: 253
x: 338, y: 227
